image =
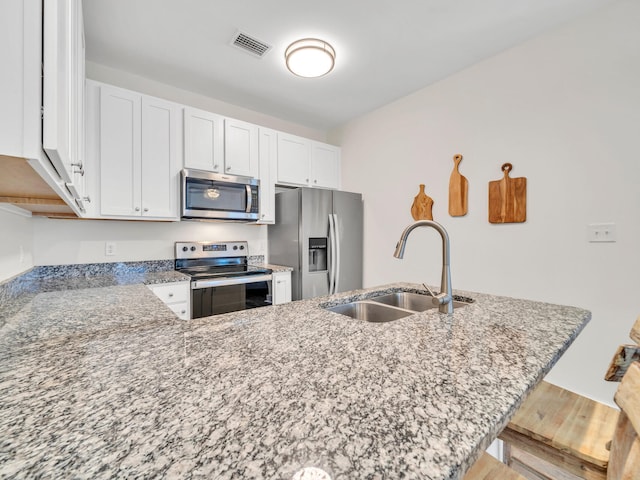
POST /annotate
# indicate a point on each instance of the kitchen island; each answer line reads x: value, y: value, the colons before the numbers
x: 106, y: 382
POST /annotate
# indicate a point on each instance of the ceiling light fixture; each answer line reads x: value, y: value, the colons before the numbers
x: 310, y: 57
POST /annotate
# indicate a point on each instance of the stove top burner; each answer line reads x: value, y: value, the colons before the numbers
x: 209, y: 260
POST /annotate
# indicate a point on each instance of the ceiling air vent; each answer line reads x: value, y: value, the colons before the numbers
x: 249, y: 44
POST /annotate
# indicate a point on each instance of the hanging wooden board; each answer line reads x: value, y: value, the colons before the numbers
x: 458, y: 187
x: 422, y: 205
x: 508, y: 198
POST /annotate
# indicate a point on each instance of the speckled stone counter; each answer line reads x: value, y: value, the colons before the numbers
x: 105, y: 382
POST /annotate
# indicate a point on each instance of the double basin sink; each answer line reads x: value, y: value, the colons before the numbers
x: 389, y: 306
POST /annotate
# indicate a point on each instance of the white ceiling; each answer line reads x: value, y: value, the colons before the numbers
x: 385, y: 49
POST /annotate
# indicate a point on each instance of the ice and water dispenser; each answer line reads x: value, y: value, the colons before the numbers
x: 318, y: 254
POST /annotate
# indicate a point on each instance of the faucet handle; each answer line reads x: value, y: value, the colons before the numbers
x: 429, y: 290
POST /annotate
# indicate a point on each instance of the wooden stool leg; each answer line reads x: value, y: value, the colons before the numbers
x: 506, y: 453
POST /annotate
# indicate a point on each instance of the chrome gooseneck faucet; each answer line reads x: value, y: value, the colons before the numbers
x: 444, y: 299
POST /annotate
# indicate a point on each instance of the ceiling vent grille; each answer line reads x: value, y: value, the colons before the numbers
x: 249, y: 44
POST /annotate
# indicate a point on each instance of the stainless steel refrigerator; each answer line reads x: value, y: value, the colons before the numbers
x: 319, y: 234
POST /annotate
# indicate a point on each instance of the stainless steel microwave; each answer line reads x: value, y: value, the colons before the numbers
x: 215, y: 196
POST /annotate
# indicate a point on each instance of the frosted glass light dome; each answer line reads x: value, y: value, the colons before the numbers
x: 310, y: 57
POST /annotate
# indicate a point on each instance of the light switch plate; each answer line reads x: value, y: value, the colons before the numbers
x: 601, y: 232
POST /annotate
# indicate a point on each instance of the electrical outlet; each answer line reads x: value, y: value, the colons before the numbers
x: 110, y: 249
x: 601, y: 232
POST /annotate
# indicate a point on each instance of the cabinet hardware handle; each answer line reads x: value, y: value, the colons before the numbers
x: 306, y: 180
x: 146, y: 209
x: 170, y: 294
x: 228, y: 168
x: 80, y: 168
x: 315, y: 181
x: 87, y: 199
x: 137, y: 209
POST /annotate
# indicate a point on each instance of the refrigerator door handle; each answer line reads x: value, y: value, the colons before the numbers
x: 336, y: 261
x: 332, y: 255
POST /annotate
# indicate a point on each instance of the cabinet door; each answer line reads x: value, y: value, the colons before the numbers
x: 268, y: 148
x: 240, y: 148
x: 160, y: 144
x: 325, y: 165
x: 58, y: 119
x: 119, y: 152
x: 203, y: 137
x: 281, y: 287
x: 294, y: 157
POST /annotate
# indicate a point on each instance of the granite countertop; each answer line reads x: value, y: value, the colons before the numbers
x: 106, y: 382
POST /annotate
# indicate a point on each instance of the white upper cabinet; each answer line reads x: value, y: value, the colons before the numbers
x: 25, y: 57
x: 268, y: 153
x: 120, y: 153
x: 325, y: 165
x: 294, y: 159
x: 63, y: 86
x: 240, y: 148
x: 203, y: 140
x: 137, y: 142
x: 161, y: 158
x: 218, y: 144
x: 307, y: 163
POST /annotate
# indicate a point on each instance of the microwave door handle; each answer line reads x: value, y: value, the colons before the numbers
x: 249, y: 201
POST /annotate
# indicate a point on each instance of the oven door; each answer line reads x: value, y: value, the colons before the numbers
x: 207, y: 195
x: 211, y: 297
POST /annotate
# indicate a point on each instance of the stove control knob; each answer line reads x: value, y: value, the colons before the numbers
x: 193, y: 249
x: 235, y: 247
x: 184, y: 249
x: 241, y: 247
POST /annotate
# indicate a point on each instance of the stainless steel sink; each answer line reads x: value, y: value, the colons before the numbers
x: 388, y: 307
x: 369, y: 311
x: 411, y: 301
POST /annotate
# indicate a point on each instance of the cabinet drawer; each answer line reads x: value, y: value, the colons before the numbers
x: 181, y: 310
x: 172, y: 293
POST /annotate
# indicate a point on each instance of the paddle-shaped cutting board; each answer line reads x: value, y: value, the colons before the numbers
x: 422, y: 205
x: 508, y: 198
x: 458, y: 187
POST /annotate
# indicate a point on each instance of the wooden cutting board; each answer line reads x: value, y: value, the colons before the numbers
x: 508, y: 198
x: 458, y: 187
x: 422, y: 206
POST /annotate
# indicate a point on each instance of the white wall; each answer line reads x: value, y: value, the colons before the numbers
x: 123, y: 79
x: 16, y: 241
x: 58, y: 242
x: 565, y: 110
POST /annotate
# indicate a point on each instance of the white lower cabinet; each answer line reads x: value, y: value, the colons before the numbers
x: 135, y: 144
x: 281, y: 282
x: 177, y: 297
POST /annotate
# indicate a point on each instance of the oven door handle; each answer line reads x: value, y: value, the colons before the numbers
x: 222, y: 282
